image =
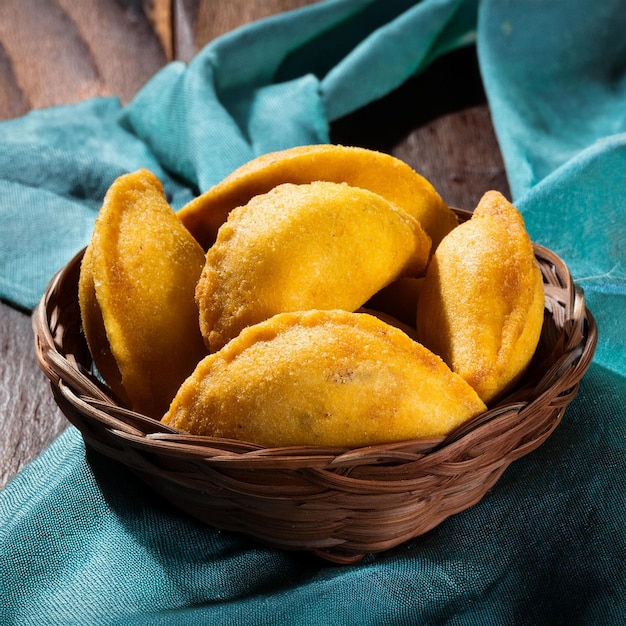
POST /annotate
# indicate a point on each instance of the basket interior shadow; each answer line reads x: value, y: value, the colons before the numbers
x: 338, y: 503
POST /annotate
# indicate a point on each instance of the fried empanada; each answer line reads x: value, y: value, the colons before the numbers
x: 482, y: 300
x: 314, y: 246
x: 326, y: 378
x: 381, y: 173
x: 94, y: 330
x: 136, y: 294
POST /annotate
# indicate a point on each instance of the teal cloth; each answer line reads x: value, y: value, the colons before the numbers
x: 82, y: 542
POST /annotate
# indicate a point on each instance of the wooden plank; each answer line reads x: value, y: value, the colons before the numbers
x: 29, y: 418
x: 61, y: 51
x: 197, y: 22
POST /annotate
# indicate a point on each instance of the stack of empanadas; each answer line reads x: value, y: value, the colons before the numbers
x: 266, y: 309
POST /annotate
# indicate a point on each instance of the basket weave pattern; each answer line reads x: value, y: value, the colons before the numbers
x: 338, y: 503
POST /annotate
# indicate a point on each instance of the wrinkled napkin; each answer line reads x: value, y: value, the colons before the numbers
x: 83, y: 542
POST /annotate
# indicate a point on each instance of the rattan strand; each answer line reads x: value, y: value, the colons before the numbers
x: 338, y: 503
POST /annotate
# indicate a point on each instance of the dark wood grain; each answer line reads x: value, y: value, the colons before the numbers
x: 196, y: 22
x: 61, y: 51
x: 29, y: 417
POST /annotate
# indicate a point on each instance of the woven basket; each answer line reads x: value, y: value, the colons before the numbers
x: 338, y: 503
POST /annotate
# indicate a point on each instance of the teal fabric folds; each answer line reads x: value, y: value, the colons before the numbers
x: 555, y: 78
x: 83, y: 542
x: 558, y: 99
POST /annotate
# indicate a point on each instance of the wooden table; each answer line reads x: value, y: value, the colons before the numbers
x: 61, y: 51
